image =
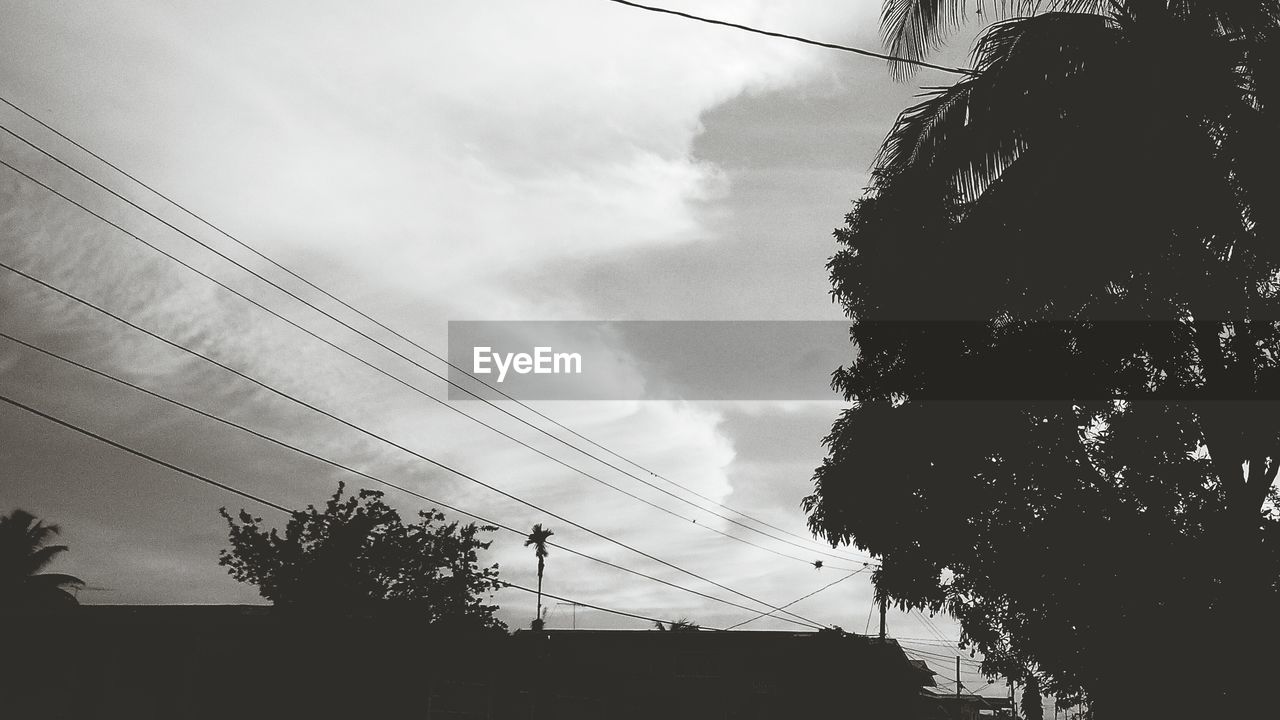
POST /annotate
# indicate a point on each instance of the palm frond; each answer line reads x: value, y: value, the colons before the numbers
x: 23, y: 553
x: 1030, y: 82
x: 38, y: 560
x: 54, y: 580
x: 538, y: 537
x: 21, y: 532
x: 1229, y: 17
x: 914, y: 28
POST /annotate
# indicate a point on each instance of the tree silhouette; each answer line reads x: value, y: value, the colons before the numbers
x: 538, y: 537
x: 358, y: 557
x: 24, y: 552
x: 681, y: 625
x: 1032, y: 703
x: 1066, y: 314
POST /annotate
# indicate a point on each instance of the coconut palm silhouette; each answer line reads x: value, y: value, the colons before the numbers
x: 24, y: 552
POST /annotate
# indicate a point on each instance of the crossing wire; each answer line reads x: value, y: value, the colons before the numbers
x: 392, y: 376
x: 802, y: 597
x: 364, y: 315
x: 360, y: 473
x: 377, y: 342
x: 242, y: 493
x: 937, y: 633
x: 942, y: 658
x: 392, y: 443
x: 594, y: 607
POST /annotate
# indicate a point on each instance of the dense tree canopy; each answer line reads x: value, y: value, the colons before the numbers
x: 357, y: 556
x: 1064, y: 283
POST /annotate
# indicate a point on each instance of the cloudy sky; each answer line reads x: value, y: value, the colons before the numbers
x: 428, y: 162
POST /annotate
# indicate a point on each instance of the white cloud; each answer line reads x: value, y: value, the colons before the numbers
x: 435, y: 146
x: 420, y: 155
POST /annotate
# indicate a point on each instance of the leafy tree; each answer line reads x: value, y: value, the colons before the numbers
x: 358, y: 557
x: 24, y: 552
x: 538, y: 538
x: 1064, y: 283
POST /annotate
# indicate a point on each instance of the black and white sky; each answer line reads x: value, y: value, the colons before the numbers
x: 427, y: 161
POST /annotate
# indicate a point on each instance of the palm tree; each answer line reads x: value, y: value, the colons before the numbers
x: 1104, y: 159
x: 1060, y: 75
x: 538, y: 539
x: 24, y: 552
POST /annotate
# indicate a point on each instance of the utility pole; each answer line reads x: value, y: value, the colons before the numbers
x: 957, y: 676
x: 884, y: 599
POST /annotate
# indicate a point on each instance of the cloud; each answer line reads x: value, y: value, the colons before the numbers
x: 419, y: 159
x: 434, y: 148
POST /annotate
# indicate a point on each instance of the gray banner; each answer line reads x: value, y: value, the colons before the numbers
x: 649, y: 360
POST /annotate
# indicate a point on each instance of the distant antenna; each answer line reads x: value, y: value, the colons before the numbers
x: 575, y: 607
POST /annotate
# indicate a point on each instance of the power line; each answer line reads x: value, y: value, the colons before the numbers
x: 803, y: 597
x: 145, y: 456
x: 978, y: 692
x: 392, y: 443
x: 942, y: 658
x: 396, y: 378
x: 366, y: 316
x: 984, y: 687
x: 382, y: 345
x: 928, y: 641
x: 593, y: 607
x: 797, y: 38
x: 353, y: 471
x: 255, y: 498
x: 936, y: 644
x: 936, y: 632
x: 944, y: 672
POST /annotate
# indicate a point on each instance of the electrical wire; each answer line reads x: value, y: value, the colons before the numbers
x: 939, y: 656
x: 797, y: 38
x: 936, y: 632
x: 394, y: 444
x: 594, y: 607
x: 928, y: 641
x: 378, y: 323
x: 944, y: 676
x: 261, y: 500
x: 145, y: 456
x: 359, y: 473
x: 386, y: 347
x: 392, y: 376
x: 793, y: 602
